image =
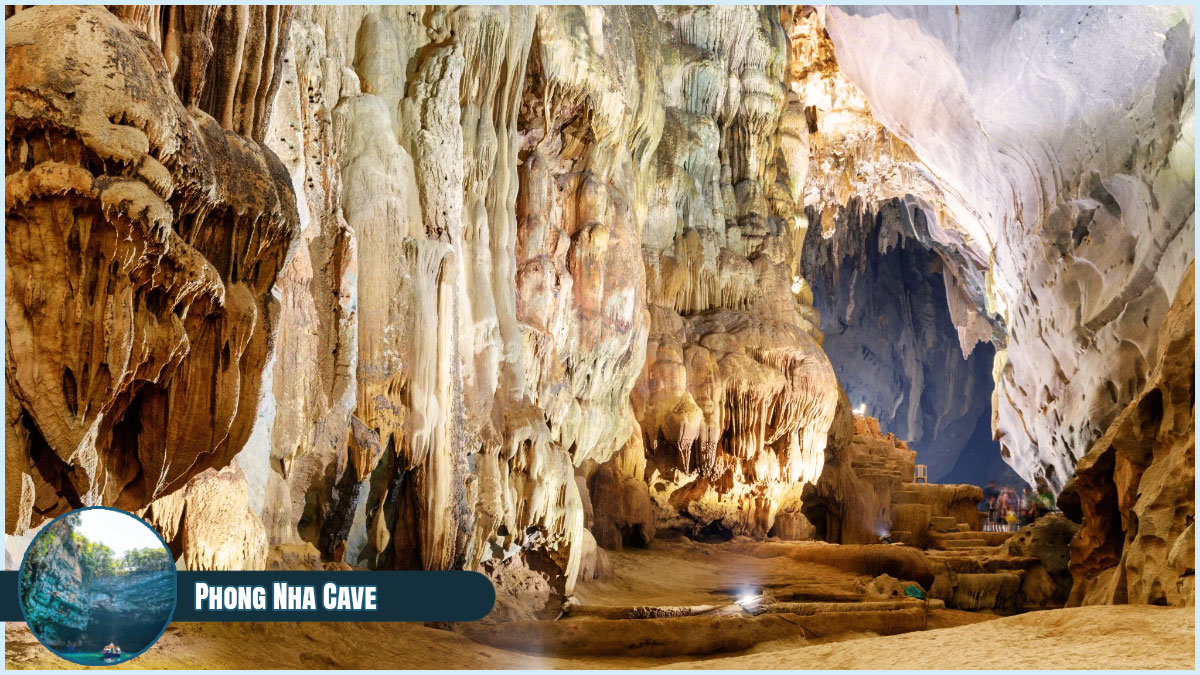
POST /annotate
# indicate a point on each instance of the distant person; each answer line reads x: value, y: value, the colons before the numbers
x: 991, y: 495
x: 1026, y: 513
x: 991, y: 491
x: 1001, y: 510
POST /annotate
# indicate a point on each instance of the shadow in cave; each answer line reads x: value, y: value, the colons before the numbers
x: 980, y: 460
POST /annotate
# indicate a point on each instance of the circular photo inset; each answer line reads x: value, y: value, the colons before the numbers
x: 97, y: 586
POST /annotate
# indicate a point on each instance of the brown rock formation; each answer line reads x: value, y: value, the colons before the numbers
x: 1136, y: 485
x: 1049, y: 582
x: 208, y: 523
x: 867, y: 491
x: 851, y: 503
x: 142, y: 244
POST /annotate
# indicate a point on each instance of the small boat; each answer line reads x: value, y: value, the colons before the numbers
x: 111, y: 653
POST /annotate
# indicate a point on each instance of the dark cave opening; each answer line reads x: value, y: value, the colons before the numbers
x: 882, y: 297
x: 714, y: 533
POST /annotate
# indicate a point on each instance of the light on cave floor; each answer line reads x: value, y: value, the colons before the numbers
x: 749, y: 601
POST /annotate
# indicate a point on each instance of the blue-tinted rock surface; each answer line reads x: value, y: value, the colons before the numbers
x: 882, y: 298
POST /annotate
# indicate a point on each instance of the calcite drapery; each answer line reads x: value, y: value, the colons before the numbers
x: 737, y: 397
x: 142, y: 244
x: 511, y: 192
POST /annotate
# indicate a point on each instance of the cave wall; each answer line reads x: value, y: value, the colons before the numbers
x: 53, y: 591
x: 1135, y: 489
x: 1059, y: 141
x: 480, y: 274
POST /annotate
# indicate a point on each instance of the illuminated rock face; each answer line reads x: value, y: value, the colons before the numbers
x: 513, y: 262
x: 736, y: 397
x: 851, y: 503
x: 1076, y: 224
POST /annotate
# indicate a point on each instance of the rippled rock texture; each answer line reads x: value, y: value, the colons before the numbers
x: 1069, y: 229
x: 1136, y: 487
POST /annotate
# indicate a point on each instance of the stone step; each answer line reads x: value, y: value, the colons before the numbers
x: 959, y: 534
x: 943, y: 524
x: 905, y: 497
x: 964, y: 543
x: 992, y: 538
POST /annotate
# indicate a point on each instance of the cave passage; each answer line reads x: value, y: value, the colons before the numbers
x: 882, y: 297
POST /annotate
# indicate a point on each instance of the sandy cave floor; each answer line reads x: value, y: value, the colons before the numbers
x: 1090, y: 637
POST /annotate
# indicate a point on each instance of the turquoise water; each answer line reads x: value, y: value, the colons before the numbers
x: 93, y: 658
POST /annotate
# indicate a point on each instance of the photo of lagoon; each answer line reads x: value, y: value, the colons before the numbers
x: 97, y: 586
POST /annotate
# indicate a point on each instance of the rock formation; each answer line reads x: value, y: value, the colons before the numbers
x: 208, y: 523
x: 142, y: 243
x: 1136, y: 486
x: 867, y: 492
x: 736, y: 396
x: 851, y: 503
x: 53, y: 593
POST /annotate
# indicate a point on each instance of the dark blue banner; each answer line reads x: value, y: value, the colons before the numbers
x: 315, y: 596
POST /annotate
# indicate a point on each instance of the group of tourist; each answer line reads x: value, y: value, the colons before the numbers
x: 1008, y: 510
